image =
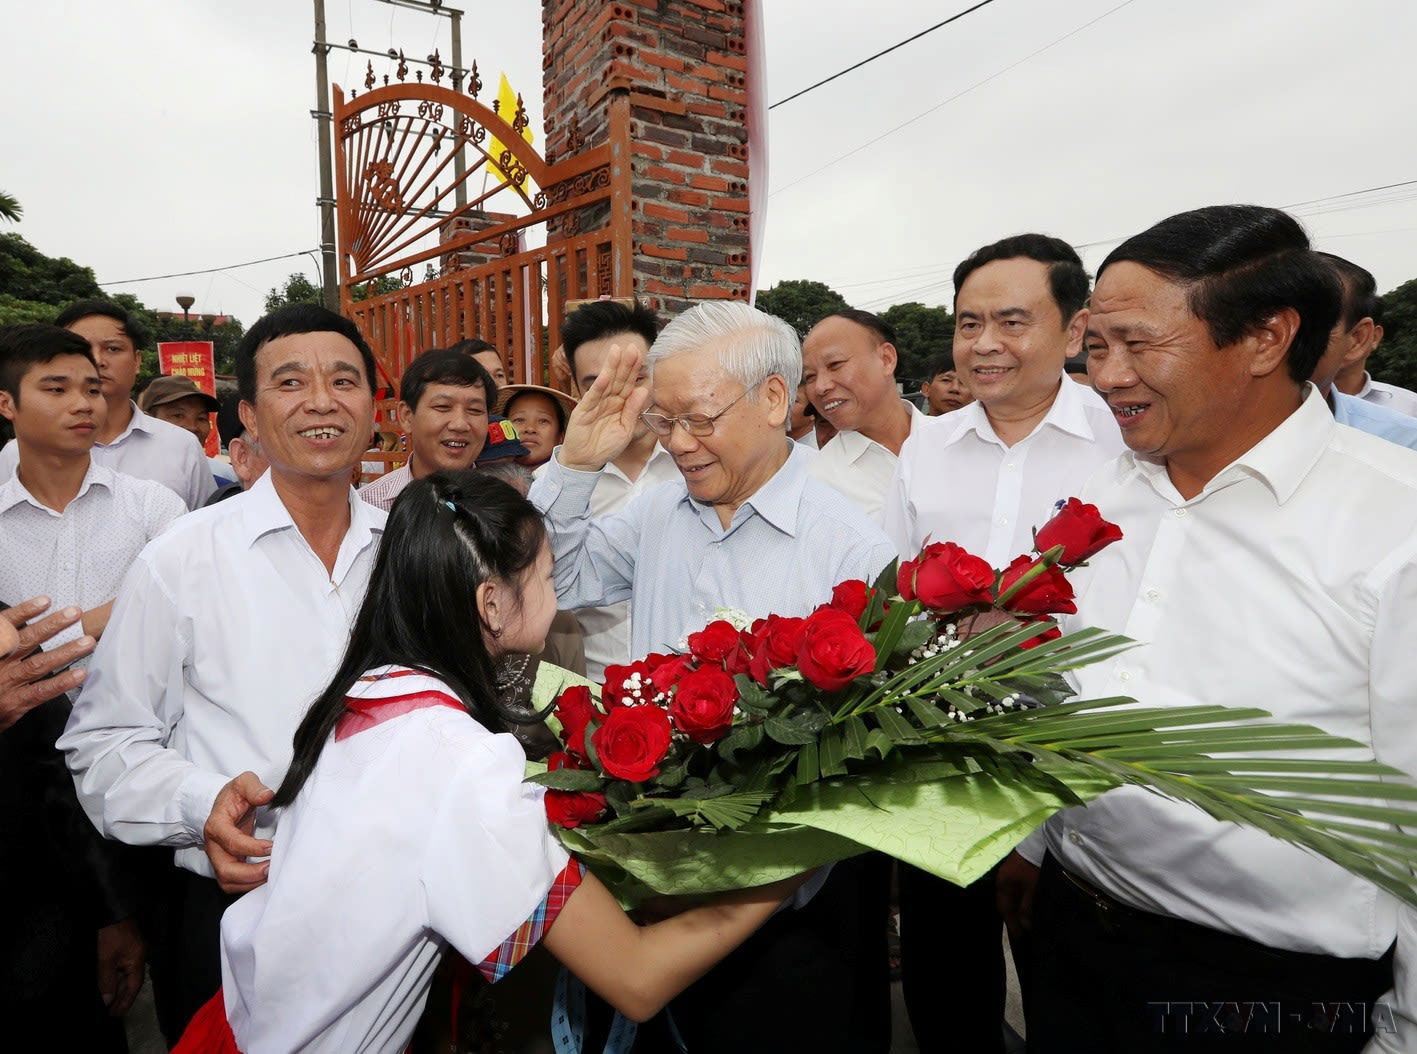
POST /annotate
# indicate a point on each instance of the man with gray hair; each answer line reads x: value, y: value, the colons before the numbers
x: 722, y: 377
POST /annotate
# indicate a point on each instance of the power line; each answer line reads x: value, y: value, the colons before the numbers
x: 205, y: 270
x: 873, y: 58
x: 952, y: 98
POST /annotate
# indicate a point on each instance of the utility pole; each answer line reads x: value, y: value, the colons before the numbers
x: 323, y: 118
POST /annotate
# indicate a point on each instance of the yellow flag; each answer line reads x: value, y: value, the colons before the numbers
x: 507, y: 110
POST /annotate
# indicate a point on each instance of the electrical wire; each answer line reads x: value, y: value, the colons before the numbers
x: 952, y: 98
x: 204, y: 270
x: 873, y: 58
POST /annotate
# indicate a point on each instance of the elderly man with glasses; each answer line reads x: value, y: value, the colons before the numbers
x: 746, y: 528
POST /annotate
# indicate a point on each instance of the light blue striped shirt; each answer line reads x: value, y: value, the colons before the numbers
x: 784, y: 550
x: 1380, y: 421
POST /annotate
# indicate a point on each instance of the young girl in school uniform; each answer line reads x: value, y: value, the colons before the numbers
x: 406, y: 826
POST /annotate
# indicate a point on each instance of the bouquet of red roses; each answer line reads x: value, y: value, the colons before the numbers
x: 924, y: 715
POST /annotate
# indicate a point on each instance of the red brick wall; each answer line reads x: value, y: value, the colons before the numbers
x: 682, y: 64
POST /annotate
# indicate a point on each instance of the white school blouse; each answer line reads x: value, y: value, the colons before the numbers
x: 414, y: 832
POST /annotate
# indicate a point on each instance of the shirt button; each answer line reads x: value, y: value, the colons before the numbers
x: 1003, y: 521
x: 1178, y: 512
x: 1075, y: 838
x: 1153, y: 594
x: 1124, y: 675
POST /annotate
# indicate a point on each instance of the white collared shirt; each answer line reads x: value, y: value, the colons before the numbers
x: 149, y: 449
x: 1289, y: 582
x: 78, y: 556
x: 606, y: 630
x: 860, y: 467
x: 957, y: 482
x: 1389, y: 395
x: 225, y: 630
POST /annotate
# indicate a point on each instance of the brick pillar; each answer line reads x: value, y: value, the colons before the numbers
x: 680, y: 66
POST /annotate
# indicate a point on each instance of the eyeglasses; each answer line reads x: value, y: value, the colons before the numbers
x: 694, y: 424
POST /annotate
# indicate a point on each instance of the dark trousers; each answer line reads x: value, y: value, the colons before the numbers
x: 1109, y: 979
x: 952, y: 963
x: 185, y: 959
x: 68, y: 1015
x: 801, y: 983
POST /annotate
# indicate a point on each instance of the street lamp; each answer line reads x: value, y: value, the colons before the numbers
x: 185, y: 302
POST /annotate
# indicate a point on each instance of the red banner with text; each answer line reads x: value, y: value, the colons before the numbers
x: 195, y: 359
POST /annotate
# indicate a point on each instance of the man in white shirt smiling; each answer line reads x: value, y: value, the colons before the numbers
x: 1268, y: 557
x: 129, y: 440
x: 984, y: 476
x: 848, y: 369
x: 225, y: 630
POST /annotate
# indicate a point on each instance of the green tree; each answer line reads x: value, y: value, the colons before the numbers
x: 922, y: 333
x: 298, y: 289
x: 1395, y: 359
x: 10, y: 208
x: 800, y: 303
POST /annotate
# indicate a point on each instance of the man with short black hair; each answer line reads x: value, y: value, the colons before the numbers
x: 129, y: 440
x: 944, y: 389
x: 984, y: 477
x: 587, y: 334
x: 444, y: 398
x: 225, y: 629
x: 1362, y: 323
x: 1203, y: 334
x: 247, y: 461
x: 848, y: 370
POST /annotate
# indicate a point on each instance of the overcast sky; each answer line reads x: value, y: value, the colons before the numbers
x: 155, y: 136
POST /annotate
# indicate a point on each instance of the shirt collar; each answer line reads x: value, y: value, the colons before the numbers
x: 854, y: 444
x: 1067, y: 414
x: 776, y: 501
x: 1281, y: 460
x: 140, y: 422
x: 13, y: 492
x: 262, y: 512
x: 657, y: 454
x: 1367, y: 386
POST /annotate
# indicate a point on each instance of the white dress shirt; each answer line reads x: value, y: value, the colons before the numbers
x: 784, y: 550
x: 1289, y: 582
x: 861, y: 468
x: 225, y: 630
x: 414, y: 833
x: 957, y: 482
x: 1389, y: 395
x: 78, y: 556
x: 149, y: 449
x: 606, y: 630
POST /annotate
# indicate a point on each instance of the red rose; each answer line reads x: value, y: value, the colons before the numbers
x: 622, y: 682
x: 1080, y: 530
x: 715, y: 642
x: 1050, y: 632
x: 575, y: 711
x: 851, y: 596
x: 665, y: 674
x: 703, y: 704
x: 571, y: 808
x: 945, y: 577
x: 632, y: 742
x: 1048, y: 594
x: 833, y: 651
x: 774, y: 645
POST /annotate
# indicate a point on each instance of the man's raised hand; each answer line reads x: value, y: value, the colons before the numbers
x: 607, y: 417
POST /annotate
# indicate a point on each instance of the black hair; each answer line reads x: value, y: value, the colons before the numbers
x: 447, y: 534
x: 445, y: 366
x: 605, y: 318
x: 132, y: 326
x: 288, y: 321
x: 31, y: 344
x: 1067, y: 278
x: 943, y: 363
x: 1240, y: 264
x: 882, y: 330
x: 473, y: 346
x: 1360, y: 291
x: 561, y: 416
